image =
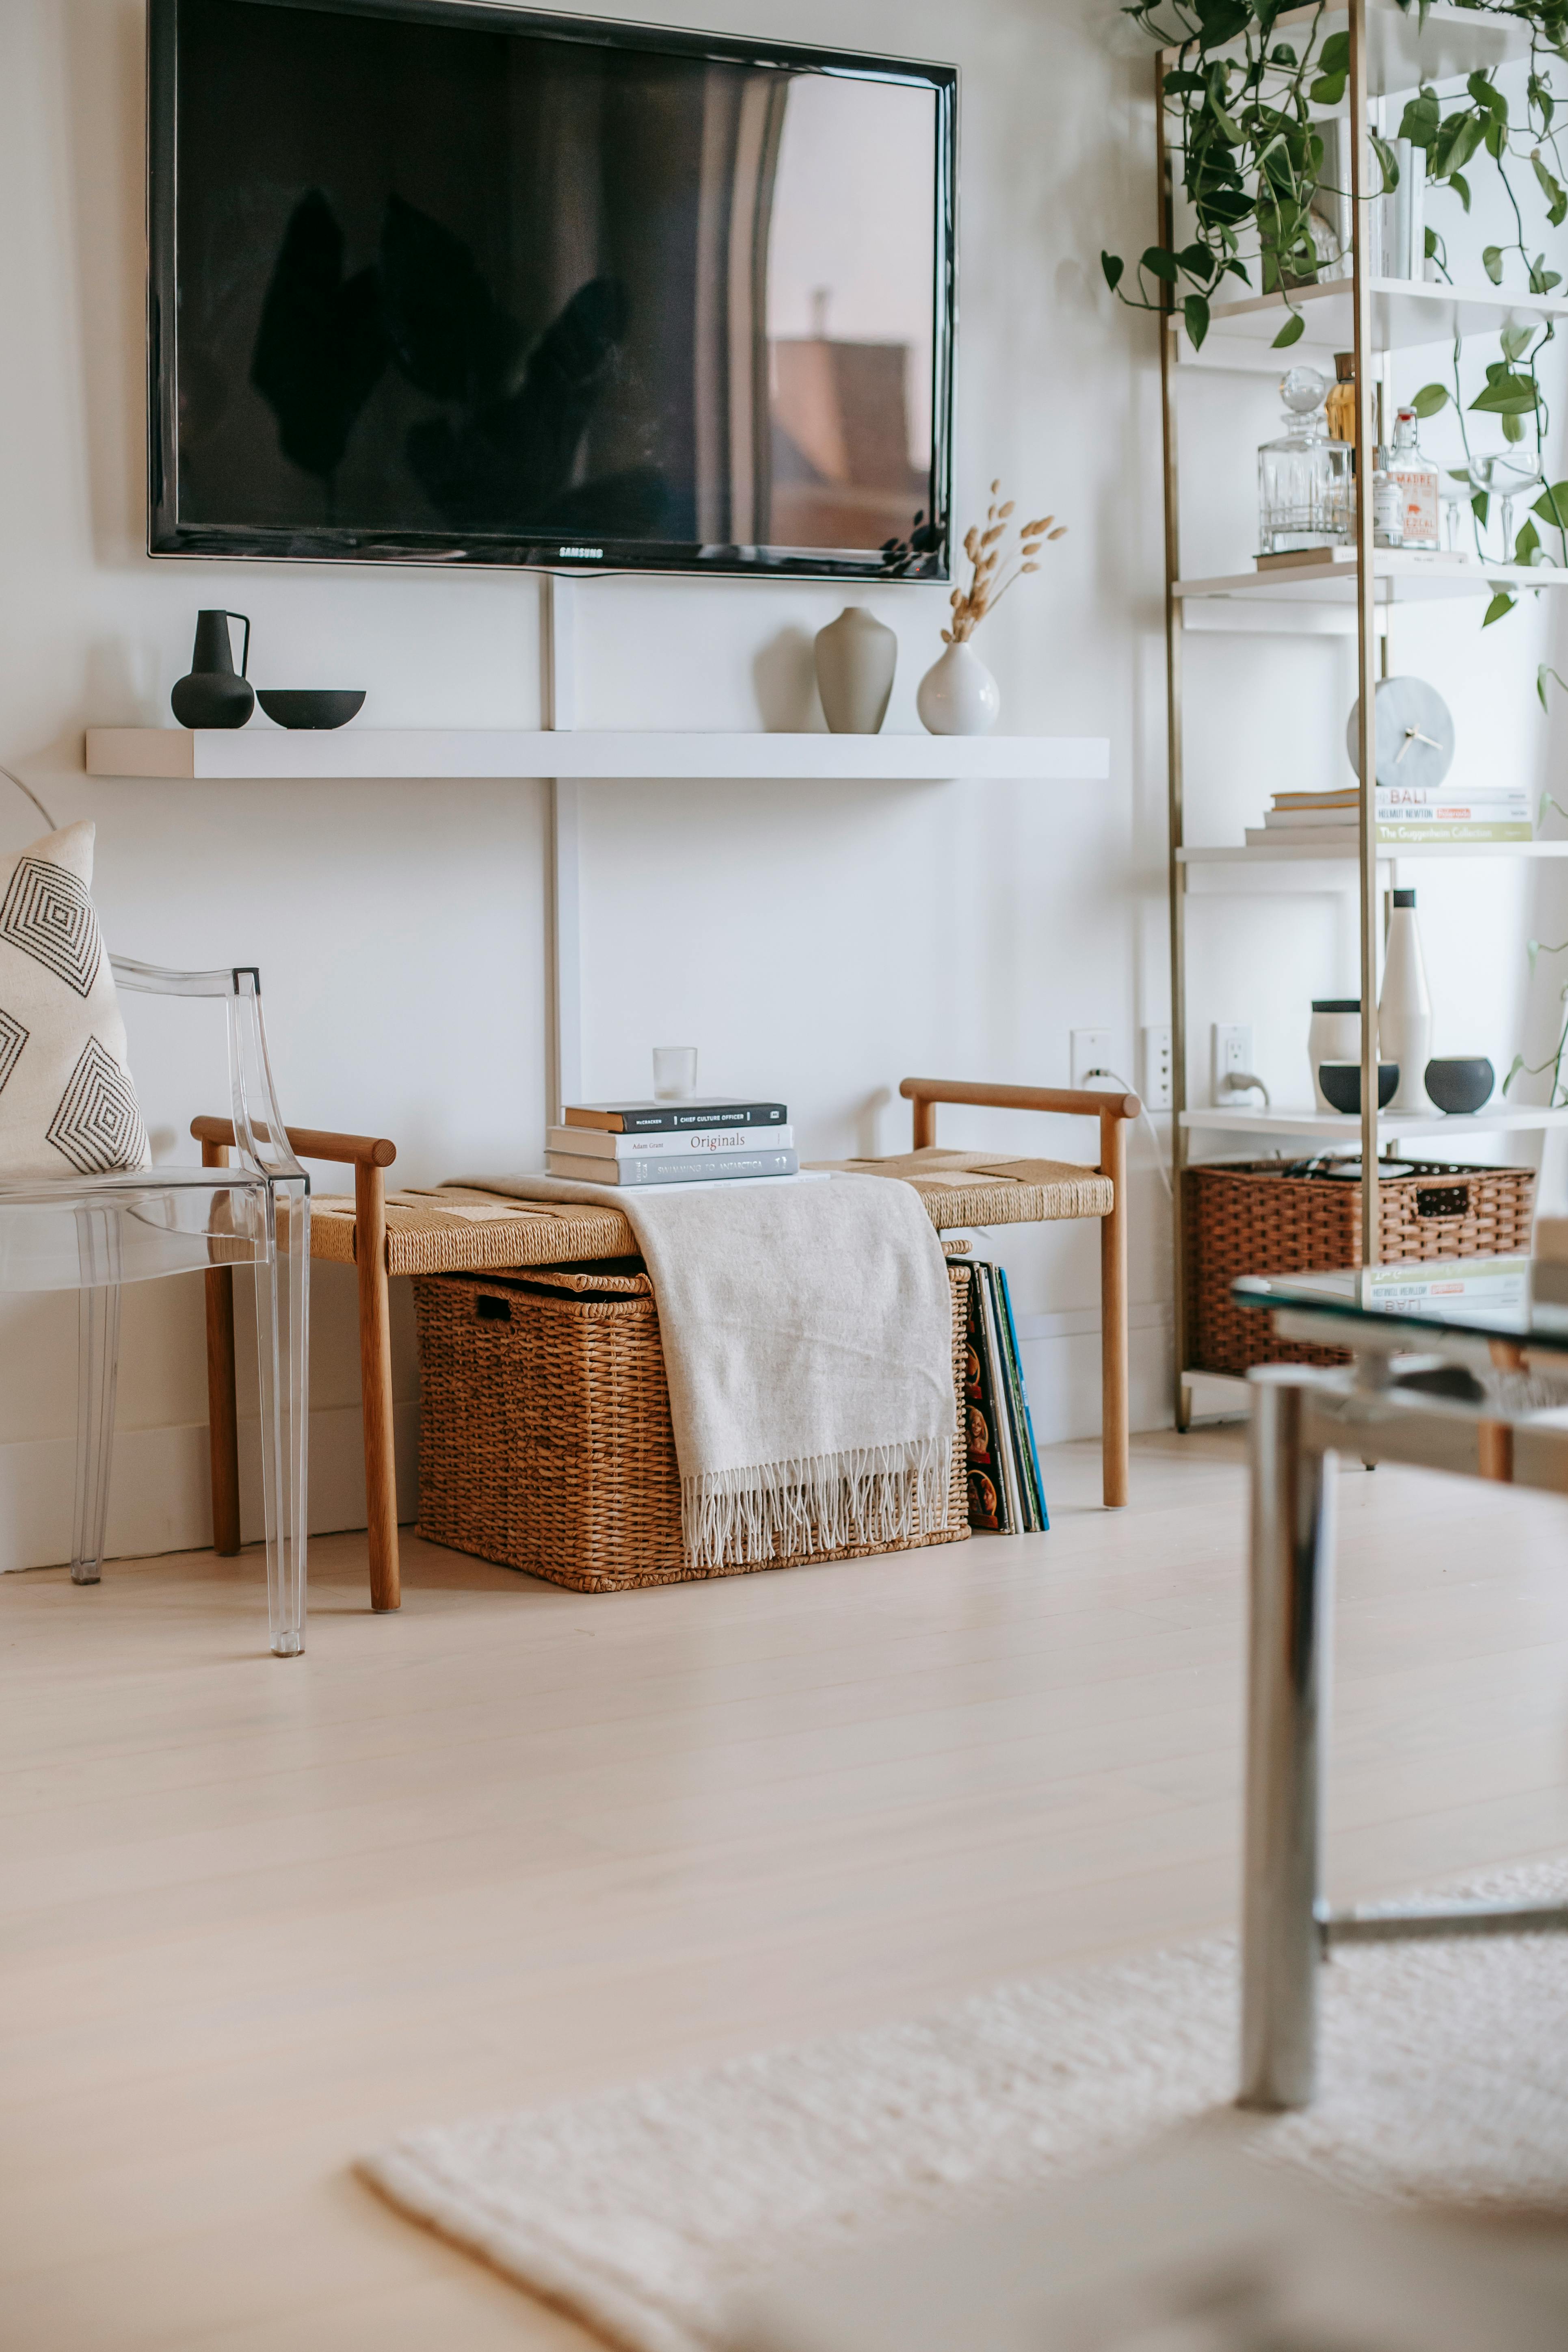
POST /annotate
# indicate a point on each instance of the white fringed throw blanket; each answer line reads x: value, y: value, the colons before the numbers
x: 807, y: 1334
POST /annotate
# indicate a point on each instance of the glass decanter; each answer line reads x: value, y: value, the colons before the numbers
x: 1304, y: 487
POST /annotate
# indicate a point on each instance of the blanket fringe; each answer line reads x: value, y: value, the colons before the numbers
x: 773, y: 1510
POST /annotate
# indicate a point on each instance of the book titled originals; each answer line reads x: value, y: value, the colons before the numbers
x: 674, y: 1118
x: 709, y: 1143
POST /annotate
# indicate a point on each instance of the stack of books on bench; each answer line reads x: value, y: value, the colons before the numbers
x: 697, y: 1140
x: 1006, y: 1495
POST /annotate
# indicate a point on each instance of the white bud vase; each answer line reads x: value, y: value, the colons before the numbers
x: 958, y: 695
x: 856, y: 659
x: 1404, y: 1007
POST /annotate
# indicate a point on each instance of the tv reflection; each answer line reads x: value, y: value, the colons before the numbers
x: 749, y: 420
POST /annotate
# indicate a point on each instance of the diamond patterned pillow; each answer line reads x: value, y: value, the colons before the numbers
x: 67, y: 1106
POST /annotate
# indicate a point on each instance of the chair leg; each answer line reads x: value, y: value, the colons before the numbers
x: 98, y: 1366
x: 223, y: 1413
x: 1114, y: 1407
x: 282, y: 1308
x: 375, y: 1387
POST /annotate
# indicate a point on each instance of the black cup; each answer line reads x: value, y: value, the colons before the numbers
x: 1341, y: 1082
x: 1460, y: 1083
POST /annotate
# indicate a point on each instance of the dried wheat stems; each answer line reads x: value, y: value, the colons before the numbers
x: 988, y: 554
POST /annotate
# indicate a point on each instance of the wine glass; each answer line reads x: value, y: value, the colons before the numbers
x: 1479, y: 473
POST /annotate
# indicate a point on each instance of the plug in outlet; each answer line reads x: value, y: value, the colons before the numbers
x: 1090, y: 1051
x: 1232, y: 1052
x: 1155, y: 1077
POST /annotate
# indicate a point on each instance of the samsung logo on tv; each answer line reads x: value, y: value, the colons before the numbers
x: 582, y: 550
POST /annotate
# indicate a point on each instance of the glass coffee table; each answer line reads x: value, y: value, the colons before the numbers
x: 1460, y: 1366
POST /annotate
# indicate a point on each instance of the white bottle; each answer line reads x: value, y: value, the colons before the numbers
x: 1404, y: 1007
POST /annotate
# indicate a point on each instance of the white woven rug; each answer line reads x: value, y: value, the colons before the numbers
x: 647, y: 2211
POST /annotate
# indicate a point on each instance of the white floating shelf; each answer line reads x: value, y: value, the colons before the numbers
x: 1391, y: 1125
x: 1406, y: 314
x: 1399, y: 576
x: 263, y: 752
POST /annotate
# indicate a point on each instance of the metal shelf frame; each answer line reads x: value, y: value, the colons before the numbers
x: 1379, y: 317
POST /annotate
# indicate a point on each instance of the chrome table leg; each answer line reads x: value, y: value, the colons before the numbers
x: 1289, y: 1615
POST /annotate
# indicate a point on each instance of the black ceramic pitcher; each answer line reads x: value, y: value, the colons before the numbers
x: 212, y: 696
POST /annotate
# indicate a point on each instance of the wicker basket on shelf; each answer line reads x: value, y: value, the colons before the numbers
x: 546, y: 1440
x: 1253, y: 1218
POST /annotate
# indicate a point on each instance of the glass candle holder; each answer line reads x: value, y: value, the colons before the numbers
x: 674, y: 1073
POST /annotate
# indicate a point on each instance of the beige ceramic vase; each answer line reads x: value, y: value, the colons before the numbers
x: 856, y: 659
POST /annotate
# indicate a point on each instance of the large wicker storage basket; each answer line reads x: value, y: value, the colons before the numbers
x: 1252, y: 1218
x: 546, y: 1440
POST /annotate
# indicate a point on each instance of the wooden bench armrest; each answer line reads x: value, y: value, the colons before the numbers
x: 311, y: 1143
x: 1076, y: 1102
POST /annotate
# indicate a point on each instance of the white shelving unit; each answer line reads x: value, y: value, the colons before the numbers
x: 266, y: 753
x: 1392, y: 50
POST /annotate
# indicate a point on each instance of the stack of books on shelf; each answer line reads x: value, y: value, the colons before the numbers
x: 1407, y: 814
x: 693, y: 1141
x: 1005, y: 1494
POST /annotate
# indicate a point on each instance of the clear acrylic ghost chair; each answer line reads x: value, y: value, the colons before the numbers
x: 93, y: 1234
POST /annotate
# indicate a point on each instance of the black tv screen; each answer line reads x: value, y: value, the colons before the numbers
x: 442, y: 283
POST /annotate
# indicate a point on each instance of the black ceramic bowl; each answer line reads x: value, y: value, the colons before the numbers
x: 311, y: 706
x: 1341, y: 1081
x: 1461, y: 1083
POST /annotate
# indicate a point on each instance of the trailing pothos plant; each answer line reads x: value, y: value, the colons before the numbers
x: 1251, y: 161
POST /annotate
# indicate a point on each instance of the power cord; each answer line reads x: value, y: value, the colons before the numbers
x: 1245, y: 1082
x: 1118, y: 1079
x: 12, y: 778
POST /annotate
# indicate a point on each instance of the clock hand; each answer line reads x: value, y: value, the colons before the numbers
x: 1410, y: 737
x: 1415, y: 734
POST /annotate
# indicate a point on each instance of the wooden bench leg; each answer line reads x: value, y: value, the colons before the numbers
x: 1115, y: 1409
x: 375, y: 1386
x: 223, y: 1420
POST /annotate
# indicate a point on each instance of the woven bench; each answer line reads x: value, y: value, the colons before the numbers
x: 452, y: 1229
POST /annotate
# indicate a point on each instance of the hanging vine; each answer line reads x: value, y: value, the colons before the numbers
x: 1251, y: 160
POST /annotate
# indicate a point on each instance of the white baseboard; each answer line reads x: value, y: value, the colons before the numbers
x: 159, y: 1495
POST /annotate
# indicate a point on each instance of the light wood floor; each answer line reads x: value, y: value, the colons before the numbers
x: 256, y: 1915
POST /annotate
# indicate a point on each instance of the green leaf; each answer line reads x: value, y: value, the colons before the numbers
x: 1175, y: 83
x: 1334, y: 57
x: 1500, y: 603
x: 1432, y: 242
x: 1481, y: 506
x: 1159, y: 263
x: 1487, y: 94
x: 1328, y: 89
x: 1461, y: 188
x: 1455, y: 144
x: 1196, y: 311
x: 1513, y: 428
x: 1514, y: 1069
x: 1430, y: 399
x: 1419, y: 121
x: 1552, y: 188
x: 1197, y: 261
x: 1509, y: 395
x: 1293, y: 329
x: 1283, y: 56
x: 1491, y: 262
x: 1389, y: 161
x: 1542, y: 280
x: 1540, y: 97
x: 1495, y: 138
x: 1526, y: 544
x: 1113, y: 265
x: 1551, y: 506
x: 1515, y: 342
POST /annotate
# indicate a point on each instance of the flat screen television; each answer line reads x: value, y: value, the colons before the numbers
x: 439, y: 281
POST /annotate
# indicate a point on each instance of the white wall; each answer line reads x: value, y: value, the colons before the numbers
x: 888, y: 929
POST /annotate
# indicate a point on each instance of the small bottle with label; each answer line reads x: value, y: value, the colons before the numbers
x: 1417, y: 482
x: 1339, y: 408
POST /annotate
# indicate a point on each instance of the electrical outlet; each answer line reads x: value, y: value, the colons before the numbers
x: 1090, y: 1051
x: 1155, y: 1078
x: 1232, y: 1050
